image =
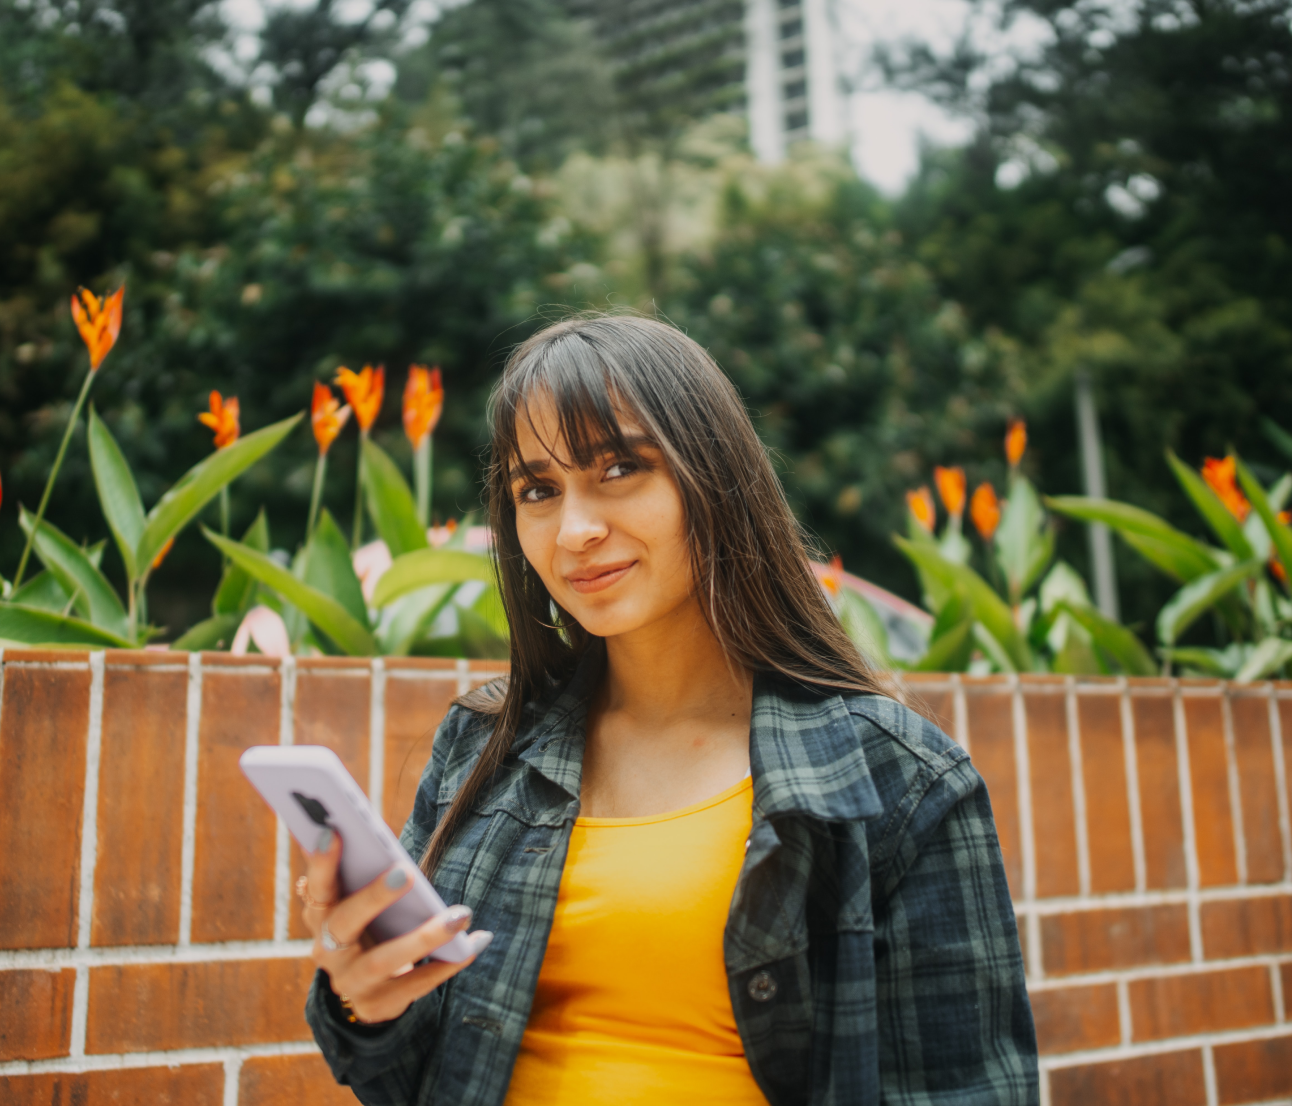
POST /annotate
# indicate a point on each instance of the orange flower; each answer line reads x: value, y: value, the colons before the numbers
x: 223, y: 419
x: 327, y: 416
x: 830, y: 576
x: 1015, y: 442
x: 161, y: 553
x: 99, y: 322
x: 1276, y: 566
x: 920, y: 504
x: 984, y: 510
x: 951, y: 487
x: 1222, y: 478
x: 423, y: 402
x: 364, y: 392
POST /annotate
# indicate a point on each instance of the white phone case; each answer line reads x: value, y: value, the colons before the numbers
x: 309, y: 788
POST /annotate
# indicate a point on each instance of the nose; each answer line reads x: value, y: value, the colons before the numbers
x: 582, y: 525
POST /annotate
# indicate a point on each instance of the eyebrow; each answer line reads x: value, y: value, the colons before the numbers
x: 634, y: 442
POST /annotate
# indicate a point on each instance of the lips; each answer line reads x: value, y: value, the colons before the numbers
x: 599, y: 577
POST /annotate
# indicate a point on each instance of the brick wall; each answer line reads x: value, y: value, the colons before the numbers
x: 150, y: 952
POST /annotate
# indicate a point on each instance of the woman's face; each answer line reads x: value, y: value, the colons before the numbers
x: 608, y: 541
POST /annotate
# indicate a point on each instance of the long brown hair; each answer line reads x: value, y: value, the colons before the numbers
x: 749, y: 556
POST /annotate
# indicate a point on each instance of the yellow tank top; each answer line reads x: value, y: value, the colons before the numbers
x: 632, y: 1006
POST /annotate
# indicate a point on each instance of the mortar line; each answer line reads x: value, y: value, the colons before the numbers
x: 1281, y: 782
x: 1243, y: 1035
x: 232, y: 1070
x: 1124, y: 1021
x: 192, y: 725
x: 1235, y: 789
x: 90, y: 804
x: 1184, y: 776
x: 960, y: 709
x: 1077, y: 763
x: 282, y: 847
x: 377, y: 738
x: 1209, y: 1075
x: 80, y: 1013
x: 1131, y: 757
x: 464, y: 676
x: 1276, y: 992
x: 1045, y: 1088
x: 118, y: 1061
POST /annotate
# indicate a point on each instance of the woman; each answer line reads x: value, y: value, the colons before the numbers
x: 718, y: 862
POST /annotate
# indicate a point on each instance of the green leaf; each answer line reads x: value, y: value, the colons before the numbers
x: 1121, y: 644
x: 1279, y: 533
x: 328, y: 567
x: 322, y: 610
x: 212, y: 633
x: 1266, y: 659
x: 1023, y: 546
x: 478, y: 636
x: 430, y: 566
x: 988, y: 607
x: 202, y: 483
x: 237, y: 588
x: 488, y: 605
x: 864, y: 626
x: 949, y: 651
x: 33, y: 626
x: 1222, y: 663
x: 118, y: 493
x: 1199, y: 595
x: 1278, y: 436
x: 44, y: 591
x: 95, y: 598
x: 1160, y: 543
x: 406, y: 620
x: 1222, y: 523
x: 390, y: 503
x: 993, y: 648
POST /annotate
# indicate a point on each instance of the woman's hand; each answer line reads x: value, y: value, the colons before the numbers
x: 377, y: 981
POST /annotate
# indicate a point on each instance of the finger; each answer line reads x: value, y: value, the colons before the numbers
x: 351, y: 916
x: 321, y: 867
x: 394, y: 996
x: 384, y: 960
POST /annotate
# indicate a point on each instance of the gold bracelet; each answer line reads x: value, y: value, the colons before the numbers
x: 350, y: 1015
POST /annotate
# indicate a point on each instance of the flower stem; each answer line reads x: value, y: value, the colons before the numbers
x: 316, y: 496
x: 53, y: 475
x: 224, y: 511
x: 422, y: 480
x: 357, y: 534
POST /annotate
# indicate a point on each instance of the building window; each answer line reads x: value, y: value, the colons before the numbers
x: 792, y: 59
x: 796, y: 120
x: 791, y: 28
x: 795, y: 89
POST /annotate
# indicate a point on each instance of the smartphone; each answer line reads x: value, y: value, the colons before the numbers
x: 309, y: 788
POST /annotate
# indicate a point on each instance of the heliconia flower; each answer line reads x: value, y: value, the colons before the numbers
x: 831, y: 577
x: 1222, y: 477
x: 364, y: 392
x: 984, y: 510
x: 161, y: 553
x: 920, y: 504
x: 223, y: 419
x: 99, y: 322
x: 1015, y: 442
x: 1276, y: 566
x: 951, y: 487
x: 326, y: 416
x: 266, y: 628
x: 423, y: 402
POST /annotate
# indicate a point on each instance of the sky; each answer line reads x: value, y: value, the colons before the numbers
x: 887, y: 126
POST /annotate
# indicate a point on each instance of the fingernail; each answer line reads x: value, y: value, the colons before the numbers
x: 325, y: 840
x: 457, y: 918
x: 481, y: 940
x: 396, y: 877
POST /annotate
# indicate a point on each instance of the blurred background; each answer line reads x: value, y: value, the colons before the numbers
x: 897, y: 225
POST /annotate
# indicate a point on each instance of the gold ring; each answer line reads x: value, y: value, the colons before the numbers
x: 303, y: 893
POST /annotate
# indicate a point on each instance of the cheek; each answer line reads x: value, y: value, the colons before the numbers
x: 536, y: 541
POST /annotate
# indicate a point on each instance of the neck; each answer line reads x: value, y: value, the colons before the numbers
x: 673, y: 669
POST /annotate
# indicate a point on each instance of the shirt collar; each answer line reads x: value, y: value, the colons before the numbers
x: 804, y: 752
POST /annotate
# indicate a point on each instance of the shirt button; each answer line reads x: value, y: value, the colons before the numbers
x: 762, y: 987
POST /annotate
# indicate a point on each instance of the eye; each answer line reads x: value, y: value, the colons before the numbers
x: 621, y: 469
x: 535, y: 493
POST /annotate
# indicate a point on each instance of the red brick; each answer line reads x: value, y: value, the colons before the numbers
x: 1254, y: 1071
x: 1103, y: 770
x: 189, y: 1085
x: 1069, y: 1019
x: 233, y: 878
x: 936, y: 703
x: 35, y: 1013
x: 144, y: 658
x: 290, y: 1081
x: 1053, y: 818
x: 414, y: 709
x: 1159, y: 791
x: 333, y: 708
x: 151, y: 1007
x: 1258, y: 788
x: 1122, y: 937
x: 46, y: 656
x: 1247, y: 927
x: 1201, y: 1002
x: 1286, y: 976
x: 1209, y: 772
x: 428, y: 664
x: 1285, y: 729
x: 249, y: 662
x: 1167, y: 1079
x: 137, y: 878
x: 43, y: 725
x: 991, y: 741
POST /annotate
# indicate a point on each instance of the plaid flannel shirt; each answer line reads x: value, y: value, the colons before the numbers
x: 871, y: 949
